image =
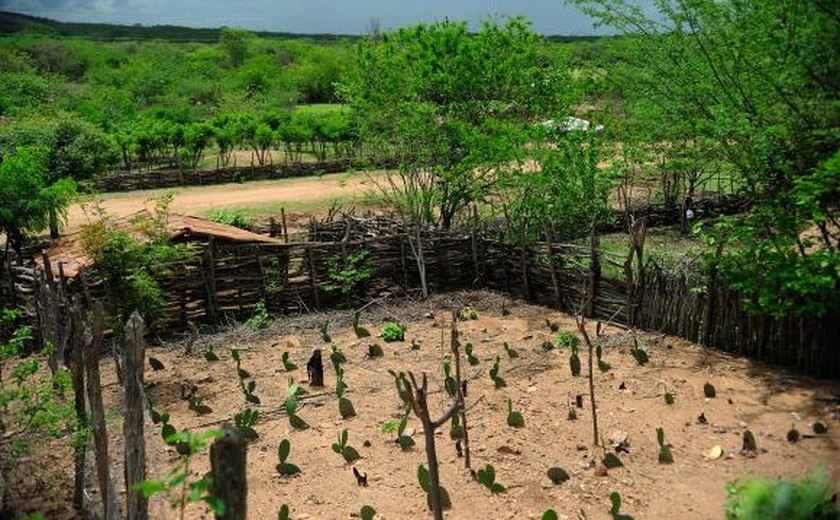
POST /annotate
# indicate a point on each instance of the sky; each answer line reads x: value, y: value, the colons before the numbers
x: 305, y: 16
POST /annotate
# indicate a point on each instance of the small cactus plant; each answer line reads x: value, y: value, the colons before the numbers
x: 342, y: 448
x: 665, y: 456
x: 284, y: 468
x: 514, y: 418
x: 487, y: 476
x: 498, y: 381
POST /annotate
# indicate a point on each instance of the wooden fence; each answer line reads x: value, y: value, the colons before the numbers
x: 227, y: 280
x: 128, y: 181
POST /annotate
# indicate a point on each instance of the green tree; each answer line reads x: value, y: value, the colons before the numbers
x: 472, y: 95
x: 756, y: 83
x: 27, y: 196
x: 235, y: 42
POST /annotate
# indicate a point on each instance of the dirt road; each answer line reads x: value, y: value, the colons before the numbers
x: 305, y: 193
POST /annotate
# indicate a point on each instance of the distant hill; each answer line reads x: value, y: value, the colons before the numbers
x: 16, y: 22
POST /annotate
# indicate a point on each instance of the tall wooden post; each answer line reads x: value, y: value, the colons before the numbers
x: 135, y: 447
x: 110, y: 501
x: 228, y: 457
x: 78, y: 374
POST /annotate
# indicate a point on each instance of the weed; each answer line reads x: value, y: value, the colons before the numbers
x: 245, y: 421
x: 638, y: 353
x: 392, y: 331
x: 246, y: 387
x: 325, y: 331
x: 808, y: 498
x: 259, y: 318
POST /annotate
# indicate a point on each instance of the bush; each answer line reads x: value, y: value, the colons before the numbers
x: 231, y: 218
x: 762, y: 499
x: 259, y: 319
x: 392, y: 331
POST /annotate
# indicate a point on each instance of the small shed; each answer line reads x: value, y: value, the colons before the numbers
x: 228, y: 275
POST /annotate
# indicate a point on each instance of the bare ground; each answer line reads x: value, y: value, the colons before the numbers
x: 296, y: 193
x: 766, y: 400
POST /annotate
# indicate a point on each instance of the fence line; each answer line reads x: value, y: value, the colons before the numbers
x: 229, y: 279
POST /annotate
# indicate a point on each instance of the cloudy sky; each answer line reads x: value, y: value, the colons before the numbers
x: 304, y: 16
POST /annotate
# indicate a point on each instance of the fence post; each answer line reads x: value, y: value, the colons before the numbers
x: 228, y: 456
x: 212, y: 305
x: 78, y: 374
x: 594, y: 274
x: 110, y: 503
x: 135, y: 448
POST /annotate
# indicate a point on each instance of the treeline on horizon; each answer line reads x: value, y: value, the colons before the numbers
x: 11, y: 23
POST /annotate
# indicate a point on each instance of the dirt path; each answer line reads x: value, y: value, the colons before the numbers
x: 258, y: 197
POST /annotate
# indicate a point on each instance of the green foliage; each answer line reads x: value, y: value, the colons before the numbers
x: 196, y: 404
x: 567, y: 339
x: 487, y: 476
x: 744, y: 88
x: 360, y: 331
x: 231, y: 218
x: 291, y: 406
x: 665, y: 456
x: 259, y: 317
x: 549, y: 514
x: 325, y: 331
x: 603, y: 366
x: 472, y: 359
x: 425, y: 484
x: 283, y: 513
x: 246, y: 382
x: 467, y: 313
x: 498, y: 381
x: 348, y: 275
x: 392, y: 331
x: 210, y: 354
x: 288, y: 364
x: 375, y: 351
x: 709, y: 390
x: 285, y: 468
x: 514, y: 418
x: 611, y: 461
x: 131, y: 257
x: 29, y: 195
x: 341, y: 447
x: 245, y: 422
x: 367, y: 513
x: 177, y: 481
x: 809, y: 498
x: 638, y: 353
x: 615, y: 509
x: 451, y: 107
x: 669, y: 398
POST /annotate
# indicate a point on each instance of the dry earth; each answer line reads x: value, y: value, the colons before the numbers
x: 197, y: 200
x: 764, y: 399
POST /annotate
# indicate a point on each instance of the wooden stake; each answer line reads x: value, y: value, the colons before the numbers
x: 135, y: 444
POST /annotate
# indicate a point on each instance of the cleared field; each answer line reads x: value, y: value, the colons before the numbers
x: 255, y: 198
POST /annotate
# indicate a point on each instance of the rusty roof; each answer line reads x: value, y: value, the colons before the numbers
x: 67, y: 255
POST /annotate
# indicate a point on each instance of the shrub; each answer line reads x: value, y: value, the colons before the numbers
x: 231, y: 218
x: 392, y: 331
x: 809, y: 498
x: 259, y: 319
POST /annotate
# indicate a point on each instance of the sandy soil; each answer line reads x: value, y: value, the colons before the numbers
x: 195, y: 200
x: 765, y: 400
